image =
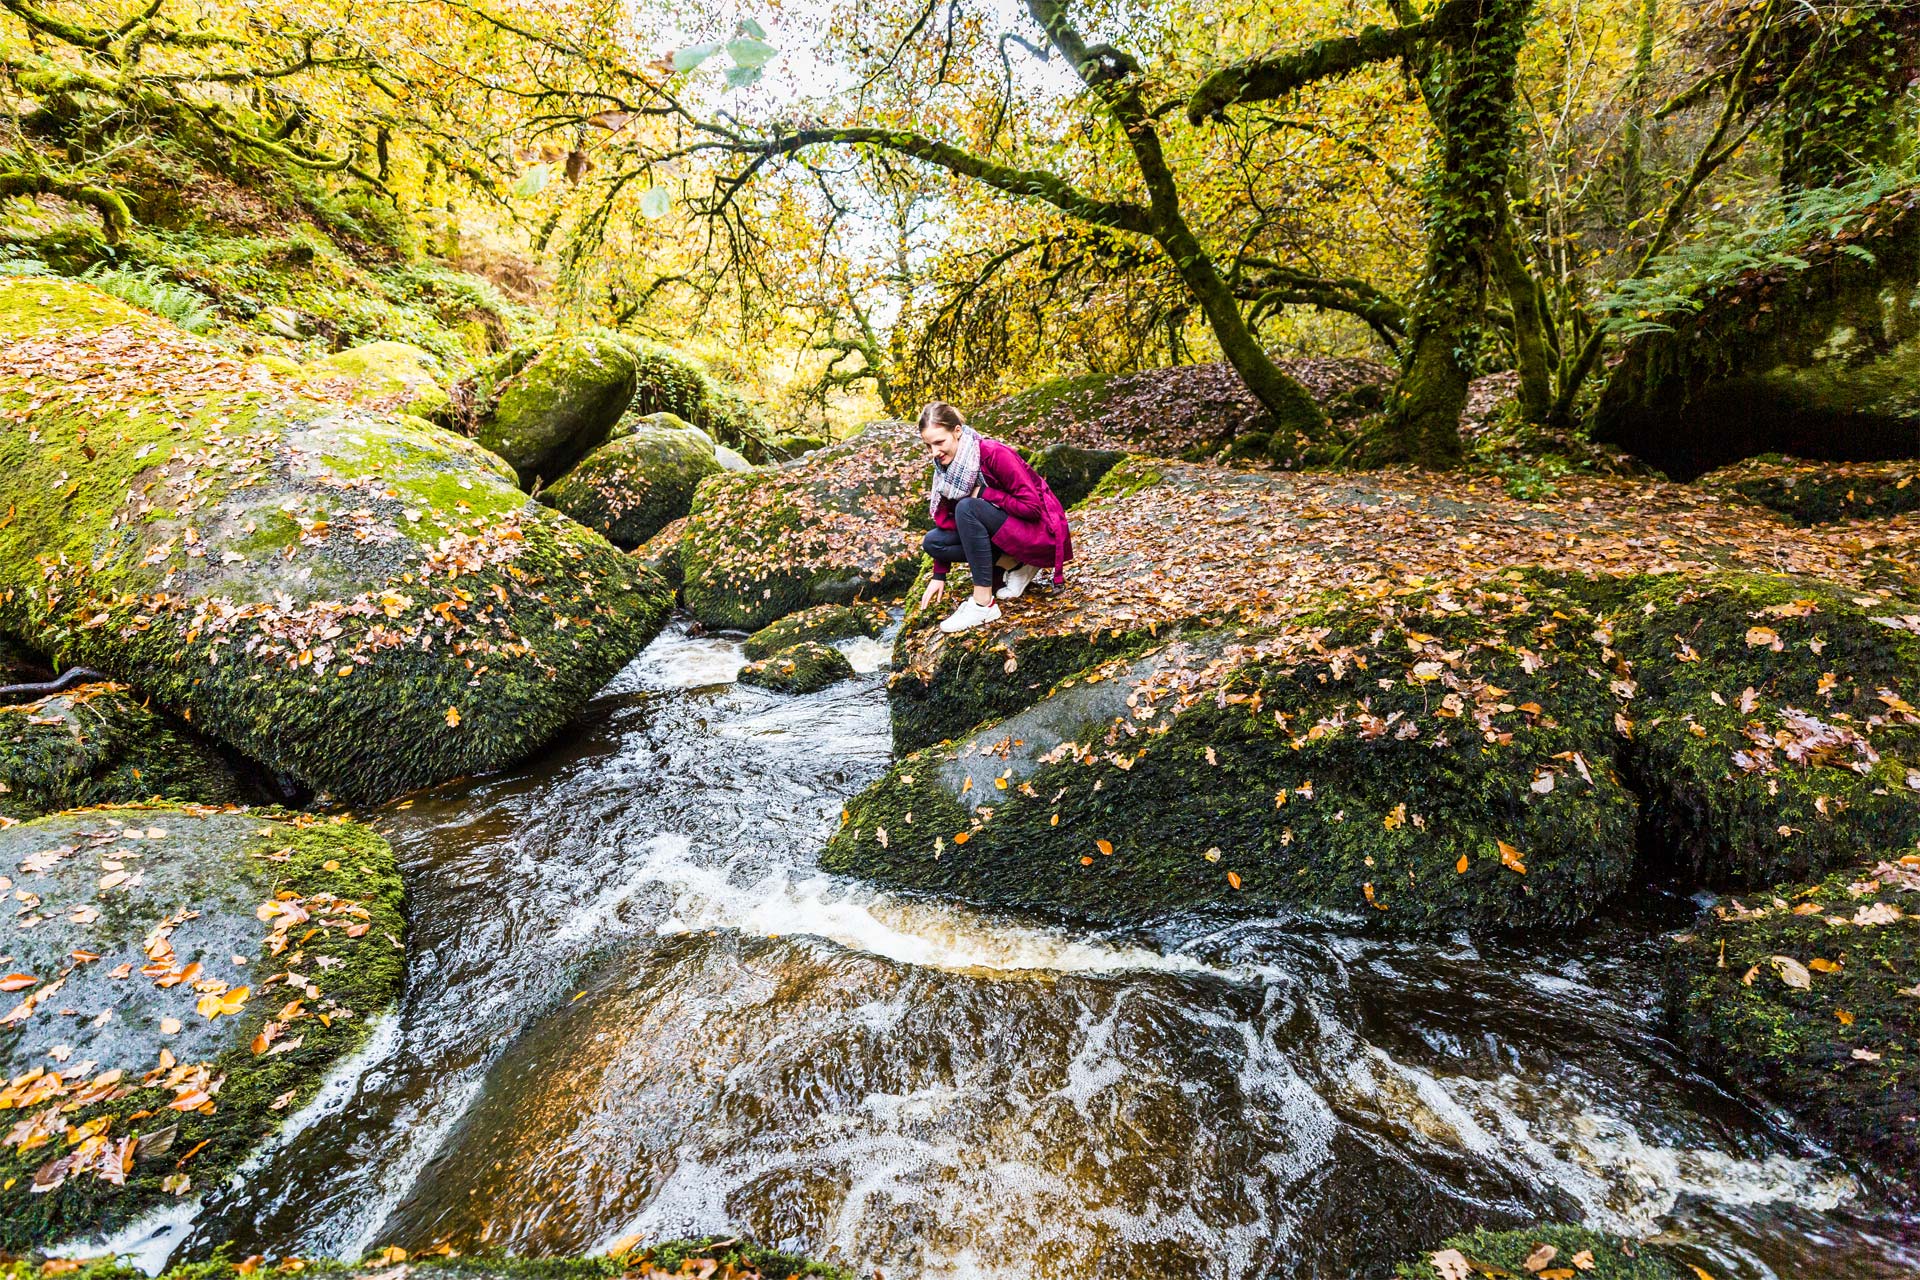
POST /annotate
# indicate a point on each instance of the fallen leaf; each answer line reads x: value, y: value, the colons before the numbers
x: 1792, y: 972
x: 1451, y: 1264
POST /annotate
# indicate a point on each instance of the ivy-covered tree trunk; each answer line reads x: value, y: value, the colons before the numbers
x: 1470, y: 92
x: 1532, y: 347
x: 1844, y: 116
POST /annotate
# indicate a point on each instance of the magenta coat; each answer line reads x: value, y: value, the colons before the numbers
x: 1035, y: 531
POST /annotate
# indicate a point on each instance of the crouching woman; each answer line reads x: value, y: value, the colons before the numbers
x: 990, y: 510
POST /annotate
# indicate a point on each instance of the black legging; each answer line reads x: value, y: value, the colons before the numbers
x: 975, y: 522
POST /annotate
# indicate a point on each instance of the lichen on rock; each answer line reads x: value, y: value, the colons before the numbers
x: 360, y: 601
x: 806, y: 667
x: 218, y: 962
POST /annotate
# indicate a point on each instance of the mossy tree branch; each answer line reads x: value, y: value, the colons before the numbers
x: 1275, y: 76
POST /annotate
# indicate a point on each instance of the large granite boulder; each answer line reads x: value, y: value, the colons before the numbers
x: 395, y: 376
x: 180, y: 981
x: 97, y: 744
x: 542, y: 414
x: 632, y: 487
x: 360, y: 601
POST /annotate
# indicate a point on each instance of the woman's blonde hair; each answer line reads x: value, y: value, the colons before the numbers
x: 941, y: 414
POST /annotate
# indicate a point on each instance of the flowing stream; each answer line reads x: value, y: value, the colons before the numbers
x: 635, y: 1005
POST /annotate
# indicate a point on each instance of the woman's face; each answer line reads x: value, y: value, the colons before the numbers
x: 942, y: 440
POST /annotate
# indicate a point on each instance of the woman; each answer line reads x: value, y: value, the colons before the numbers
x: 991, y: 510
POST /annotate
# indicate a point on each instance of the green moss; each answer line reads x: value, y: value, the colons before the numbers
x: 666, y: 1256
x: 1820, y: 493
x: 1719, y: 715
x: 1125, y: 478
x: 350, y: 979
x: 560, y: 405
x: 1371, y: 763
x: 825, y: 623
x: 1808, y: 995
x: 806, y: 667
x: 666, y: 381
x: 1504, y: 1253
x: 1071, y: 471
x: 395, y: 375
x: 630, y: 488
x: 95, y: 744
x: 357, y: 576
x: 836, y: 526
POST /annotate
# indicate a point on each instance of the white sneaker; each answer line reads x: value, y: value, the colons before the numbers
x: 1019, y: 578
x: 970, y: 615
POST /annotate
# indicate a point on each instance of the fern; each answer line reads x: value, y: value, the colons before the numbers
x: 184, y: 306
x: 12, y: 264
x: 1771, y: 237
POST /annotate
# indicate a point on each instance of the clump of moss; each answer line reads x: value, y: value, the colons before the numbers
x: 630, y: 488
x: 1822, y: 492
x: 1591, y: 1255
x: 129, y: 1127
x: 824, y: 623
x: 95, y: 744
x: 1771, y: 722
x: 391, y: 375
x: 806, y: 667
x: 1071, y: 471
x: 1809, y: 996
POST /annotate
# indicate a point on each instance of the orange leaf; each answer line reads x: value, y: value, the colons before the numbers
x: 1461, y: 866
x: 1233, y: 878
x: 17, y: 982
x: 1104, y: 846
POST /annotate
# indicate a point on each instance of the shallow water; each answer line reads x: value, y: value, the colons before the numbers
x: 634, y: 1005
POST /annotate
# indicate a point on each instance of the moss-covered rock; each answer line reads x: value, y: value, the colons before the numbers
x: 394, y: 376
x: 95, y: 744
x: 1808, y: 996
x: 838, y: 525
x: 1436, y: 762
x: 553, y: 409
x: 1071, y: 471
x: 219, y: 962
x: 630, y: 488
x: 1550, y: 1250
x: 825, y: 623
x: 729, y: 1257
x: 669, y: 381
x: 1822, y: 492
x: 1773, y: 733
x: 356, y: 600
x: 806, y: 667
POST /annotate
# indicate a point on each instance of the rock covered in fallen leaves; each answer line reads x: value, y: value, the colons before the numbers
x: 806, y: 667
x: 180, y: 979
x: 96, y: 744
x: 1822, y: 492
x: 543, y: 414
x: 1810, y: 353
x: 1163, y: 543
x: 395, y: 376
x: 1434, y: 762
x: 1545, y: 1252
x: 1808, y: 995
x: 840, y: 524
x: 824, y: 622
x: 712, y: 1258
x: 1768, y: 723
x: 630, y: 488
x: 1187, y: 410
x: 358, y: 600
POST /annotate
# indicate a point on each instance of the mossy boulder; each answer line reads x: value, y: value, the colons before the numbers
x: 357, y: 600
x: 96, y: 744
x: 839, y: 525
x: 1808, y: 996
x: 1551, y: 1250
x: 806, y: 667
x: 1772, y: 726
x: 1071, y: 471
x: 669, y: 381
x: 729, y: 1257
x: 553, y: 409
x: 1816, y: 353
x: 825, y: 623
x: 218, y: 962
x: 1438, y: 762
x: 395, y: 376
x: 1822, y: 492
x: 630, y: 488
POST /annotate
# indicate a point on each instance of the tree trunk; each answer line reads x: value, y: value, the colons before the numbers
x: 1633, y: 144
x: 1531, y: 350
x: 1471, y: 94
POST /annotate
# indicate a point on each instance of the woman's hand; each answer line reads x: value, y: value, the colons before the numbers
x: 934, y: 587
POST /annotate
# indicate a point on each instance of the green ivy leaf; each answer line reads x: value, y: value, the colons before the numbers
x: 747, y: 51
